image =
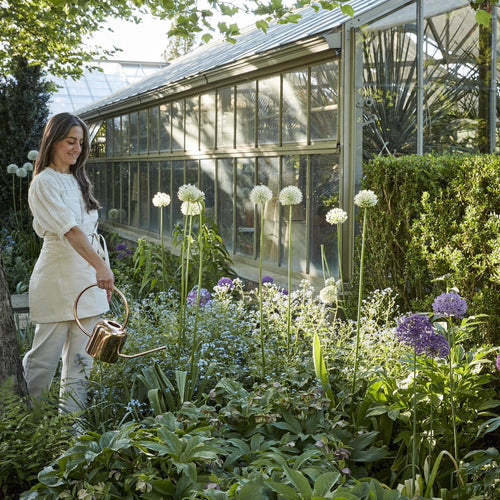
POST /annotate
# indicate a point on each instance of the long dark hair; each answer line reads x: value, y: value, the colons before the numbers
x: 56, y: 130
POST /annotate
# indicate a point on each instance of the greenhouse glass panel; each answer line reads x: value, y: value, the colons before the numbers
x: 109, y: 136
x: 295, y: 101
x: 325, y: 196
x: 457, y: 72
x: 143, y: 131
x: 207, y: 185
x: 225, y: 197
x: 123, y: 210
x: 225, y: 117
x: 165, y: 187
x: 324, y: 101
x: 154, y: 187
x: 144, y: 195
x: 117, y: 136
x: 125, y: 147
x: 192, y: 123
x: 178, y: 125
x: 268, y: 169
x: 268, y: 109
x: 245, y: 113
x: 390, y: 77
x: 207, y: 121
x: 133, y: 133
x: 192, y: 172
x: 135, y: 189
x: 153, y: 129
x: 177, y: 182
x: 165, y: 127
x: 294, y: 173
x: 245, y: 181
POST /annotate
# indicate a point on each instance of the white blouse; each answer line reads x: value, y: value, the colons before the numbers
x: 60, y: 273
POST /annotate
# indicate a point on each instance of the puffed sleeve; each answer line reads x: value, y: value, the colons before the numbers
x: 50, y: 213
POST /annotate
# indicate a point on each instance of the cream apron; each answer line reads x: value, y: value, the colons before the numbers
x: 60, y: 273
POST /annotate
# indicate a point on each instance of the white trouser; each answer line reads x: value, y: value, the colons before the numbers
x: 51, y: 341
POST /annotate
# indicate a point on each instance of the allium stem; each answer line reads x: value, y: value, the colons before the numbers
x: 414, y: 441
x: 200, y: 276
x: 261, y: 245
x: 162, y: 250
x: 339, y: 259
x: 360, y: 298
x: 288, y: 314
x: 183, y: 291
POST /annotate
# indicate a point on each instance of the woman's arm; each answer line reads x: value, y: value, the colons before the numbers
x: 79, y: 241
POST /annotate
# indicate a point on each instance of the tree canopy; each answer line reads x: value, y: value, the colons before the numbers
x: 51, y: 33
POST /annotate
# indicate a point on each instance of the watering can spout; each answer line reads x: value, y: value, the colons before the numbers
x: 108, y: 337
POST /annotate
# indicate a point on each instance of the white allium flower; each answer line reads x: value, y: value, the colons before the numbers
x: 21, y: 172
x: 191, y: 208
x: 28, y: 166
x: 12, y: 168
x: 290, y: 195
x: 366, y: 199
x: 33, y: 155
x: 113, y: 213
x: 260, y: 194
x: 161, y: 200
x: 189, y: 192
x: 336, y: 216
x: 329, y: 294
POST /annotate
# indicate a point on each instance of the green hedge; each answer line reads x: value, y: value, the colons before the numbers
x: 438, y: 216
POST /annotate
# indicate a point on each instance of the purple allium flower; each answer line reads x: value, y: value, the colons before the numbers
x: 204, y: 296
x: 284, y: 291
x: 498, y: 363
x: 267, y: 279
x: 417, y: 331
x: 226, y: 282
x: 449, y: 304
x: 120, y: 247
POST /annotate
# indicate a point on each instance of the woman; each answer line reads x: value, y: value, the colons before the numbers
x: 65, y: 216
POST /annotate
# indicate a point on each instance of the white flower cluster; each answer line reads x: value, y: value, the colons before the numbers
x: 161, y: 200
x: 290, y: 195
x: 22, y: 172
x: 33, y: 155
x: 260, y: 194
x: 191, y: 208
x: 12, y: 168
x: 366, y: 199
x: 329, y: 294
x: 190, y: 193
x: 336, y: 216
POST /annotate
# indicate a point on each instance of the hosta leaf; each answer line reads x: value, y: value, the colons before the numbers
x: 300, y: 482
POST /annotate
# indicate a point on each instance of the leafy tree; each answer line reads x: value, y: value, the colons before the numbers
x: 24, y: 97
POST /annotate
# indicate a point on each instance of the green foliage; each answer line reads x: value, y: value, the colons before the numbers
x: 216, y: 259
x: 24, y: 110
x: 436, y: 216
x: 30, y: 438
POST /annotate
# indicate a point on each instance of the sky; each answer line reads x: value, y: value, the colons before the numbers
x: 145, y: 41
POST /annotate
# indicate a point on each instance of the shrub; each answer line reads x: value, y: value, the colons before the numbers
x: 30, y: 438
x: 437, y: 216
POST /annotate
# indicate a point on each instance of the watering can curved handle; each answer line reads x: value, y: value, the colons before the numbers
x: 76, y: 305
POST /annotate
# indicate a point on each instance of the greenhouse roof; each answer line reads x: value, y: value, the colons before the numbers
x: 218, y: 53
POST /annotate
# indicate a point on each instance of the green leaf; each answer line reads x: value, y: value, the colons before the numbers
x: 300, y: 482
x: 324, y: 483
x: 483, y: 17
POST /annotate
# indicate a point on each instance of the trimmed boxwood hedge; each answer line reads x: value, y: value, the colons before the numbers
x: 437, y: 225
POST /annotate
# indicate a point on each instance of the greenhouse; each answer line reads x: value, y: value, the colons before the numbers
x: 303, y: 104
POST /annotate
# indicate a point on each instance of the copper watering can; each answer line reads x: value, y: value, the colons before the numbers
x: 108, y: 337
